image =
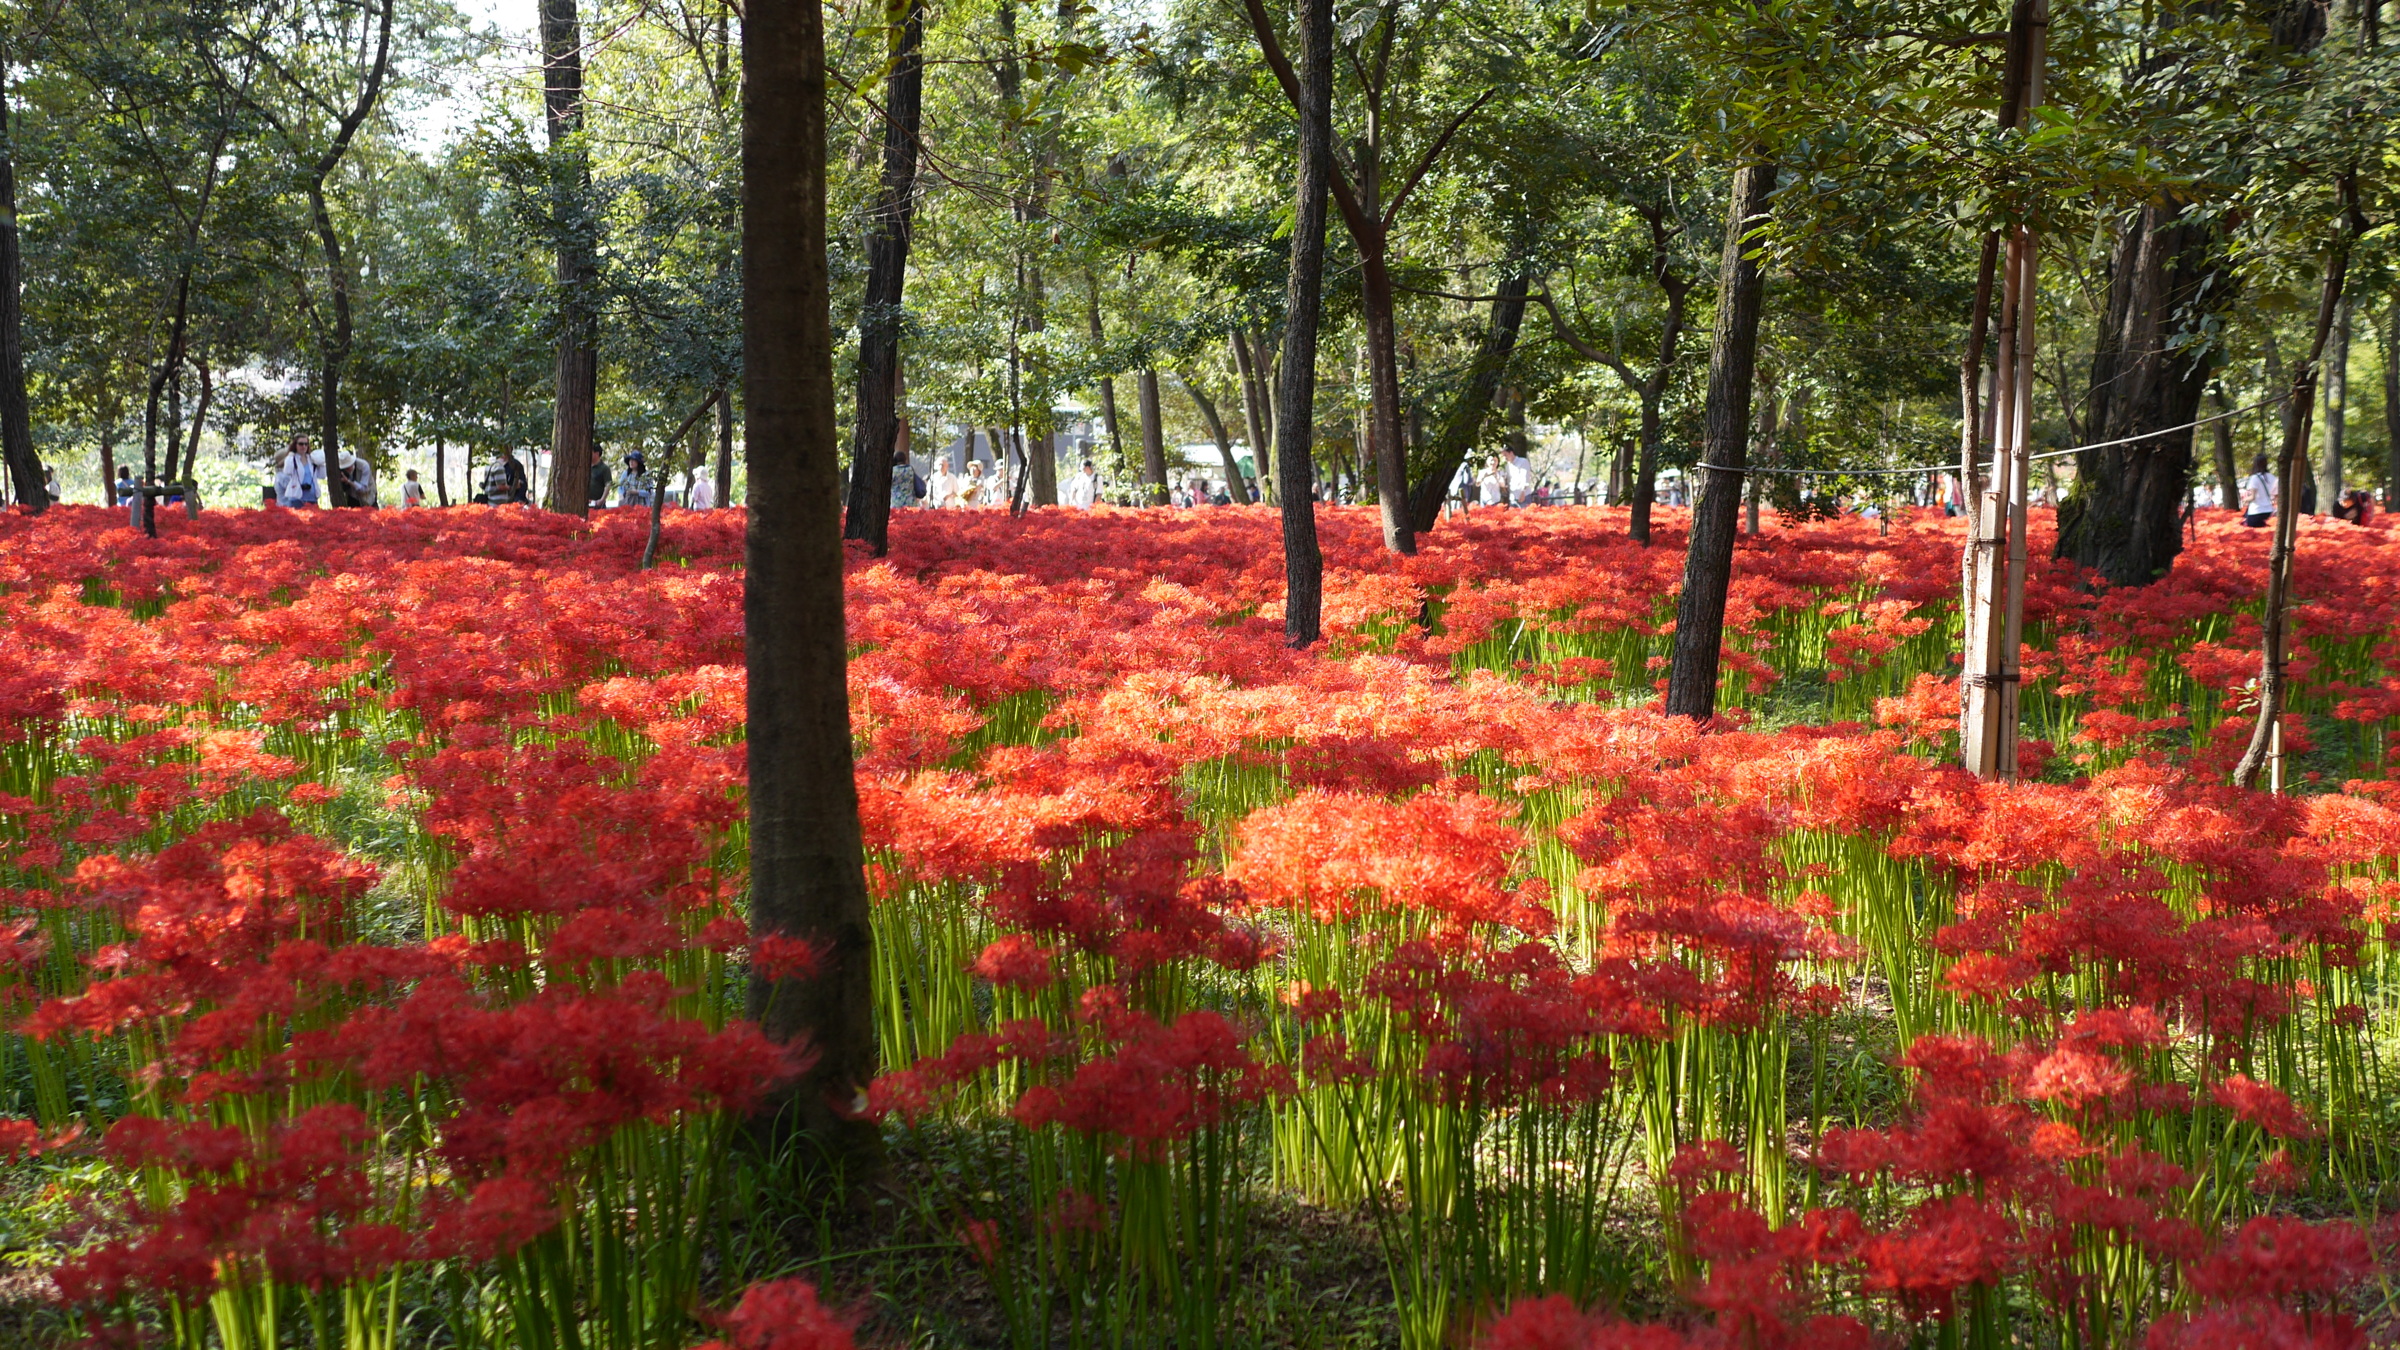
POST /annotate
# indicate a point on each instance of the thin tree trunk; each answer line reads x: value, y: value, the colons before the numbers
x: 807, y: 862
x: 1235, y: 491
x: 108, y: 462
x: 1154, y: 444
x: 441, y: 471
x: 191, y: 451
x: 2391, y: 406
x: 725, y: 448
x: 1455, y: 439
x: 16, y: 418
x: 2337, y: 400
x: 576, y: 391
x: 1296, y: 395
x: 1385, y: 448
x: 1732, y: 366
x: 890, y: 226
x: 2275, y: 614
x: 2229, y: 474
x: 1254, y: 414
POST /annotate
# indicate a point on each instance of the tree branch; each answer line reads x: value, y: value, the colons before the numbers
x: 1425, y: 161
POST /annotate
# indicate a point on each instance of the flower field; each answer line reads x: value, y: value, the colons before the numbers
x: 371, y: 887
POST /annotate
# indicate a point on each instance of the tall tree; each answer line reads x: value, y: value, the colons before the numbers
x: 807, y: 861
x: 1296, y: 399
x: 16, y: 418
x: 1371, y: 196
x: 880, y: 315
x: 1648, y: 385
x: 1455, y: 438
x: 577, y: 385
x: 1732, y: 363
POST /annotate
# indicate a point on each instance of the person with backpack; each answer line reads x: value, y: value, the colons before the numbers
x: 907, y: 488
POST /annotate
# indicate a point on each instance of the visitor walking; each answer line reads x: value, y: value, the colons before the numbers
x: 1491, y: 487
x: 1083, y: 488
x: 412, y: 492
x: 634, y: 488
x: 2258, y: 494
x: 972, y: 489
x: 601, y: 479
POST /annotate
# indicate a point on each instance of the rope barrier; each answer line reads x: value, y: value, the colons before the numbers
x: 2046, y: 454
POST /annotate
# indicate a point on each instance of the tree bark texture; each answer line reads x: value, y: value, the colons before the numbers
x: 1732, y: 368
x: 880, y: 312
x: 1304, y: 293
x: 2229, y: 474
x: 16, y: 418
x: 2124, y: 517
x: 2390, y: 332
x: 1154, y: 444
x: 1384, y: 445
x: 1454, y: 440
x: 807, y: 864
x: 576, y: 391
x: 2337, y: 408
x: 725, y: 449
x: 1258, y: 421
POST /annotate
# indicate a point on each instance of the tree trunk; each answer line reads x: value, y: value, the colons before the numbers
x: 16, y: 418
x: 108, y: 461
x: 1385, y: 448
x: 337, y: 275
x: 577, y: 386
x: 890, y: 224
x: 2124, y: 516
x: 1455, y: 440
x: 191, y: 450
x: 1296, y: 396
x: 2229, y: 475
x: 1732, y: 364
x: 441, y: 471
x: 1235, y: 489
x: 807, y: 863
x: 1154, y: 444
x: 2337, y: 401
x: 2391, y: 406
x: 1254, y: 413
x: 2275, y: 614
x: 725, y: 448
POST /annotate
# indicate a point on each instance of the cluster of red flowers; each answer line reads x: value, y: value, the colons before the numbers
x: 392, y: 863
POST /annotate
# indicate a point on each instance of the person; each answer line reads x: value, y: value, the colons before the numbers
x: 124, y: 484
x: 1491, y: 487
x: 704, y: 492
x: 295, y: 479
x: 2355, y: 507
x: 412, y: 492
x: 50, y: 482
x: 358, y: 477
x: 634, y: 488
x: 942, y: 492
x: 1083, y: 487
x: 2258, y: 494
x: 906, y: 488
x: 1520, y: 479
x: 596, y: 492
x: 972, y: 488
x: 498, y: 483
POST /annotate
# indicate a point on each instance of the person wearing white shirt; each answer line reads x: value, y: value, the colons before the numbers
x: 1083, y: 488
x: 1492, y: 486
x: 941, y: 490
x: 1520, y: 480
x: 704, y: 492
x: 2258, y: 494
